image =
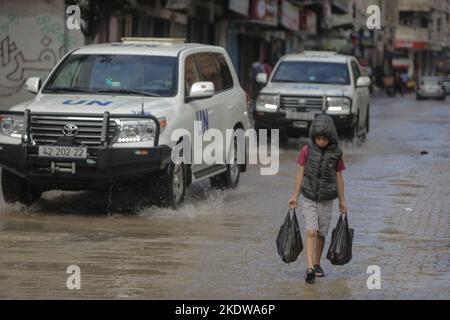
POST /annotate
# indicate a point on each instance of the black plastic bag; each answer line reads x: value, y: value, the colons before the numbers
x: 340, y: 251
x: 289, y: 240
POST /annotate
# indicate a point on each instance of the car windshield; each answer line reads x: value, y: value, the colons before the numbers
x: 312, y: 72
x: 431, y: 81
x: 121, y: 74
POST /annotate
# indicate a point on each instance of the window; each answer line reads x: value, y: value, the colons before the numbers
x: 224, y: 71
x: 356, y: 71
x: 70, y: 75
x: 103, y: 73
x: 312, y: 72
x: 406, y: 18
x: 190, y: 74
x: 424, y: 23
x: 207, y: 70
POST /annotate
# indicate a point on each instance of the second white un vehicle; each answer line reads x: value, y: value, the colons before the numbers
x: 105, y: 116
x: 304, y: 85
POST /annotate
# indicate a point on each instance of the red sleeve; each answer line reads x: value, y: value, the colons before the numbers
x: 303, y: 155
x: 340, y: 165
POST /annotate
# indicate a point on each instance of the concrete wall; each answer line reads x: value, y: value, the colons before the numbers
x: 33, y: 38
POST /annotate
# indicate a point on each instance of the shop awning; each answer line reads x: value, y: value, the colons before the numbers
x: 337, y: 6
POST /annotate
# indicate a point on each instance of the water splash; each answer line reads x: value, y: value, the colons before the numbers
x: 210, y: 202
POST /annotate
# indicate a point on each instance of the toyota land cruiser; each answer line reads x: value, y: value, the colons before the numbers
x: 105, y: 115
x: 304, y: 85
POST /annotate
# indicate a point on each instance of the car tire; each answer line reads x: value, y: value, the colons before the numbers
x: 230, y: 178
x: 363, y: 135
x: 169, y: 188
x: 283, y: 137
x: 368, y: 119
x: 356, y: 140
x: 126, y: 196
x: 15, y: 189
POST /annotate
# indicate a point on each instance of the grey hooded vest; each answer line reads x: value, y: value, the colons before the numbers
x: 319, y: 181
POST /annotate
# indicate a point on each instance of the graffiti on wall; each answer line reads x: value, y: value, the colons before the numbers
x: 56, y: 29
x: 16, y: 64
x: 12, y: 19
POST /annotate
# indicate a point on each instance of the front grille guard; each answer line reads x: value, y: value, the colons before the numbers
x: 322, y: 107
x: 104, y: 140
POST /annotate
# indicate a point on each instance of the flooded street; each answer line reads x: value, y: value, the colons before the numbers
x: 221, y: 244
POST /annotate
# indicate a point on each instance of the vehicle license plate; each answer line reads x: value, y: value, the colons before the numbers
x: 62, y: 152
x: 300, y: 124
x: 294, y: 115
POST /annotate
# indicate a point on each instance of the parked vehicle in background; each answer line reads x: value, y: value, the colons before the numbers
x: 446, y: 82
x: 431, y: 87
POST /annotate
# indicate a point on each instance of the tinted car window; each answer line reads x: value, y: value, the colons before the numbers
x: 431, y: 81
x: 312, y: 72
x: 208, y: 70
x: 224, y: 71
x: 191, y: 74
x: 103, y: 73
x: 356, y: 71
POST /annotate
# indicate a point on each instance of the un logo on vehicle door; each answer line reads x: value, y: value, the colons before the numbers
x: 70, y: 130
x: 330, y: 165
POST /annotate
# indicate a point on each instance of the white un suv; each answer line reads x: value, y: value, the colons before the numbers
x: 105, y: 115
x: 304, y: 85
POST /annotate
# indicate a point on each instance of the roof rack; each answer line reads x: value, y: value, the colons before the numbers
x: 320, y: 53
x: 163, y: 41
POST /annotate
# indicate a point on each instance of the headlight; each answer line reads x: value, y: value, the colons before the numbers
x: 267, y: 103
x: 12, y: 126
x: 338, y: 105
x: 136, y: 131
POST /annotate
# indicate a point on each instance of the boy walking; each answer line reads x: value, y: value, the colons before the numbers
x: 319, y: 179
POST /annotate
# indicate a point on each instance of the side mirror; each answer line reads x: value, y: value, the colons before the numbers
x: 261, y: 78
x: 202, y: 89
x: 363, y: 82
x: 33, y: 84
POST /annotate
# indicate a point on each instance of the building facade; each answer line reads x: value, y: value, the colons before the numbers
x: 414, y: 34
x: 421, y: 37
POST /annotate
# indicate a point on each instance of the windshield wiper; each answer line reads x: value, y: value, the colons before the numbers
x: 290, y: 81
x: 125, y: 91
x: 309, y: 82
x: 325, y: 82
x: 68, y: 89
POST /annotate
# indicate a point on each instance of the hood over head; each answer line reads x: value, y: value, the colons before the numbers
x: 323, y: 125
